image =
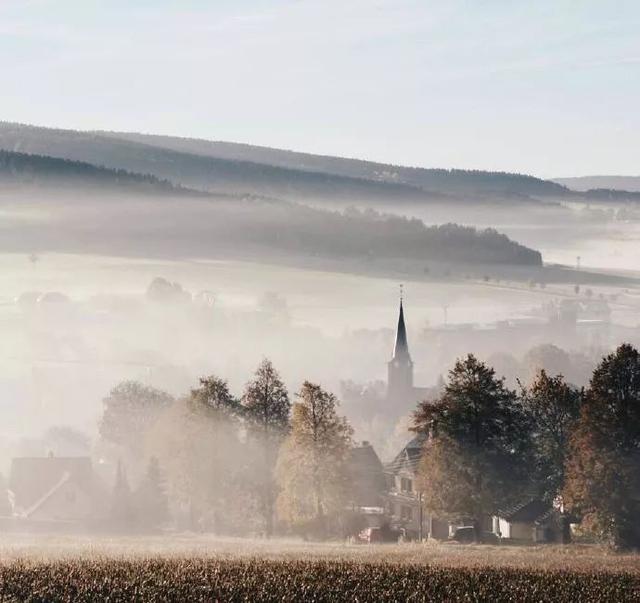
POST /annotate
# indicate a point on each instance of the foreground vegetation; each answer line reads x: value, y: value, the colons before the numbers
x: 253, y: 579
x: 201, y: 568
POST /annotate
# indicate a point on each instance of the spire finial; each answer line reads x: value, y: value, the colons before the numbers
x: 401, y: 292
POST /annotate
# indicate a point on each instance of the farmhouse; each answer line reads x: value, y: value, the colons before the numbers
x: 52, y: 490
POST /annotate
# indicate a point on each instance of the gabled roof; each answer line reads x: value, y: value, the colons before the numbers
x: 34, y: 478
x: 527, y: 511
x: 367, y: 475
x: 409, y: 457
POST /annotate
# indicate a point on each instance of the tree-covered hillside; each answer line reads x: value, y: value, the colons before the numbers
x: 449, y: 181
x: 239, y: 169
x: 191, y: 223
x: 227, y: 176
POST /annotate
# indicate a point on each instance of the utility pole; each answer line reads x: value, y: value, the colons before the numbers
x: 420, y: 518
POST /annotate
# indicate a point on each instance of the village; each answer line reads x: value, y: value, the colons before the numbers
x: 77, y: 495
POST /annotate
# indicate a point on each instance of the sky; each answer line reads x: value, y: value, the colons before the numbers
x: 550, y: 88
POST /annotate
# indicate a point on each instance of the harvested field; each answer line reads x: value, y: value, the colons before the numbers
x: 202, y: 569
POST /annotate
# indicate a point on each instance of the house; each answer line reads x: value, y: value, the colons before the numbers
x: 369, y: 486
x: 51, y: 489
x: 532, y: 520
x: 404, y: 501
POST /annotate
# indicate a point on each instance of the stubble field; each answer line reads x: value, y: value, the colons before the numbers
x: 190, y: 568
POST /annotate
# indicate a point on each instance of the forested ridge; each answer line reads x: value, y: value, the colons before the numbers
x: 242, y: 225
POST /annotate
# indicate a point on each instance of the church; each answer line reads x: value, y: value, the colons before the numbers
x: 403, y: 500
x: 401, y: 391
x: 396, y: 498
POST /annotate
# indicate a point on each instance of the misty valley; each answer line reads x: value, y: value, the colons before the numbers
x: 212, y: 349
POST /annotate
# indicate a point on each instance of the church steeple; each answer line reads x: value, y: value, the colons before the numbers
x: 400, y: 368
x: 401, y: 348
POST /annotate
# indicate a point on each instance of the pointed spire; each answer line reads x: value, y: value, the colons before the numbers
x: 401, y: 348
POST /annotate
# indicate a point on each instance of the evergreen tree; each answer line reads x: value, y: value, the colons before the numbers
x: 151, y: 498
x: 603, y: 471
x: 553, y: 407
x: 476, y: 456
x: 267, y: 407
x: 312, y: 467
x: 122, y: 509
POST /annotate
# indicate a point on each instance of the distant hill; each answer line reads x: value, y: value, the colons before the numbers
x: 449, y: 181
x: 197, y: 224
x: 226, y: 176
x: 239, y: 169
x: 584, y: 183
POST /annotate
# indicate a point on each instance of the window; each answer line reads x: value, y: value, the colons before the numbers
x: 406, y: 485
x: 406, y: 513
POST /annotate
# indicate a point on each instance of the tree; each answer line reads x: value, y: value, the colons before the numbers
x: 475, y: 458
x: 130, y: 410
x: 266, y: 408
x: 603, y: 470
x: 214, y: 396
x: 151, y: 498
x: 553, y: 407
x: 122, y: 511
x: 312, y: 469
x: 198, y: 443
x: 547, y: 357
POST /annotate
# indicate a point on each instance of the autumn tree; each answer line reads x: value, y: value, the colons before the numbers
x: 213, y: 397
x: 312, y: 469
x: 130, y: 409
x: 553, y: 407
x: 475, y: 457
x: 266, y: 410
x: 603, y: 470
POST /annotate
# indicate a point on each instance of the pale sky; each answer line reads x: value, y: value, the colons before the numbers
x: 550, y: 87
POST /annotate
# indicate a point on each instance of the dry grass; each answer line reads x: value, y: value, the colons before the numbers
x: 198, y: 568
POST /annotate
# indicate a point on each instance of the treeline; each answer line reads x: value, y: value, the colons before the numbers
x: 243, y: 169
x: 489, y: 446
x: 262, y: 463
x: 259, y: 463
x: 41, y: 169
x: 443, y: 181
x: 365, y: 235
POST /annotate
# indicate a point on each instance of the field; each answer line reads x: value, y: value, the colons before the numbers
x: 200, y: 569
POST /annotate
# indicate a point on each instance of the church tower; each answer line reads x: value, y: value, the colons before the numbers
x: 400, y: 367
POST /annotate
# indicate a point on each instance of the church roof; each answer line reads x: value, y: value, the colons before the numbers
x: 401, y: 348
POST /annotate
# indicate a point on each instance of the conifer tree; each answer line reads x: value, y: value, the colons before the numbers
x: 122, y: 509
x: 151, y: 498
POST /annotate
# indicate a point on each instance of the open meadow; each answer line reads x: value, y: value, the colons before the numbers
x: 193, y: 568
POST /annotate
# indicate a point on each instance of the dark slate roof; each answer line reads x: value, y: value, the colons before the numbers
x: 409, y: 457
x: 31, y: 478
x: 367, y: 476
x: 401, y: 347
x: 528, y: 511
